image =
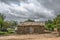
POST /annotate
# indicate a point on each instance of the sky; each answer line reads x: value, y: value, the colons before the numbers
x: 38, y: 10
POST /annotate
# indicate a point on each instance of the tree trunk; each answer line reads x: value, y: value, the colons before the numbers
x: 1, y: 26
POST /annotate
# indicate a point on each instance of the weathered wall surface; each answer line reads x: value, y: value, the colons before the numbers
x: 30, y: 29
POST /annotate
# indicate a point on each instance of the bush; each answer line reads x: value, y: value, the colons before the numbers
x: 50, y: 27
x: 10, y: 30
x: 3, y: 33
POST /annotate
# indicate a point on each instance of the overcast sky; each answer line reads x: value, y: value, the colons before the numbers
x: 39, y: 10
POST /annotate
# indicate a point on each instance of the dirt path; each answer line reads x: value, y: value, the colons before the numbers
x: 30, y: 37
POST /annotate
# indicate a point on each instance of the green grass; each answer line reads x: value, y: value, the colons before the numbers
x: 3, y: 33
x: 10, y: 31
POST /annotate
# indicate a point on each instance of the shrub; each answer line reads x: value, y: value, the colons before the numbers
x: 3, y: 33
x: 10, y: 30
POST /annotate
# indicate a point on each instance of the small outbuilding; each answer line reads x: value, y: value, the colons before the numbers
x: 30, y: 27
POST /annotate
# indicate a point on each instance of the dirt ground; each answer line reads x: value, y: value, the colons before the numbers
x: 30, y: 37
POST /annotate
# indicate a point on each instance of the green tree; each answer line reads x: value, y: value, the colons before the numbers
x: 13, y: 23
x: 29, y: 20
x: 57, y: 23
x: 2, y: 17
x: 6, y: 24
x: 49, y: 25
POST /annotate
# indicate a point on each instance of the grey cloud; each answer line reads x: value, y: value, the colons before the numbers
x: 53, y: 4
x: 21, y: 10
x: 10, y: 1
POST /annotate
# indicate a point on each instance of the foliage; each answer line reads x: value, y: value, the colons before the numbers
x: 49, y: 25
x: 4, y: 25
x: 49, y: 22
x: 29, y: 20
x: 10, y: 30
x: 3, y: 33
x: 53, y: 24
x: 57, y: 21
x: 13, y: 23
x: 2, y: 17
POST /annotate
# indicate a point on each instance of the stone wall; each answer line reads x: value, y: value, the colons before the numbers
x: 30, y: 29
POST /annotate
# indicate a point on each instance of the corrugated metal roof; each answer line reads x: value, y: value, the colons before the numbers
x: 31, y: 23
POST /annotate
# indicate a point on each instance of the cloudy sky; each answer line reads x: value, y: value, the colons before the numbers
x: 39, y: 10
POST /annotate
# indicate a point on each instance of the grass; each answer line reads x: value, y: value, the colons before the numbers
x: 3, y: 33
x: 10, y: 31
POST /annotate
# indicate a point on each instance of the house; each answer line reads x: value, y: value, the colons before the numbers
x: 30, y: 27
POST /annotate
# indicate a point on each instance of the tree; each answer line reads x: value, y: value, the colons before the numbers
x: 29, y: 20
x: 2, y: 17
x: 49, y: 25
x: 13, y: 23
x: 57, y: 23
x: 6, y: 24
